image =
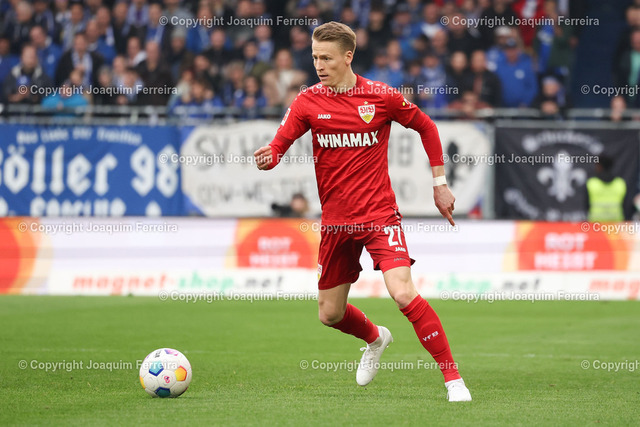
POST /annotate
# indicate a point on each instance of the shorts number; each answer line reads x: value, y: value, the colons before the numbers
x: 391, y: 232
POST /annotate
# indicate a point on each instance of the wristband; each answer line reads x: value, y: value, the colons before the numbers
x: 439, y: 180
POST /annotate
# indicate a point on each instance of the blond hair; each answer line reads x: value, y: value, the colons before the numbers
x: 336, y: 32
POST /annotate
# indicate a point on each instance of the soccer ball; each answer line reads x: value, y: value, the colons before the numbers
x: 165, y: 373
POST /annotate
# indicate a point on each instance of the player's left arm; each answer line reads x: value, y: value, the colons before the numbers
x: 410, y: 116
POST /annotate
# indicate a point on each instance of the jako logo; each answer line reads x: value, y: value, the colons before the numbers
x: 324, y: 116
x: 432, y: 335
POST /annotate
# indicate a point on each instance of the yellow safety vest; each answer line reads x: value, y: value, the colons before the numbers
x: 605, y: 199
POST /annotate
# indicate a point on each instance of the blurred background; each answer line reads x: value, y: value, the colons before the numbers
x: 127, y: 130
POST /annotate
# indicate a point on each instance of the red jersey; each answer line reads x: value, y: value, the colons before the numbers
x: 350, y: 133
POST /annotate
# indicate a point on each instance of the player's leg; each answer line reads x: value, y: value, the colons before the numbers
x: 424, y: 319
x: 428, y: 328
x: 336, y: 312
x: 338, y: 267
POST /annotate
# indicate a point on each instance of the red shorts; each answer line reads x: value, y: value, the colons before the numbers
x: 341, y: 247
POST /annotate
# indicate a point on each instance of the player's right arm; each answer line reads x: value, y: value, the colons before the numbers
x: 294, y: 124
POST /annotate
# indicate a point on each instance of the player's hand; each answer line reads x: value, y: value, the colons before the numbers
x: 263, y: 157
x: 444, y: 202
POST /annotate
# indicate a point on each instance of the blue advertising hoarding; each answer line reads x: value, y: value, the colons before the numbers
x: 89, y: 171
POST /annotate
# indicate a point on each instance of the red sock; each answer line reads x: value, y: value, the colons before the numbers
x: 356, y: 323
x: 431, y: 334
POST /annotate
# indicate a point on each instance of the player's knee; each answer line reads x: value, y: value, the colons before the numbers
x: 404, y: 294
x: 329, y: 315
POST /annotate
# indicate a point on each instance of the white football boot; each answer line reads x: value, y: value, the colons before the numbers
x: 370, y: 362
x: 457, y: 391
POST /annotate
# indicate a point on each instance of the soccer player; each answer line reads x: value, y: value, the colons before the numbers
x: 350, y: 119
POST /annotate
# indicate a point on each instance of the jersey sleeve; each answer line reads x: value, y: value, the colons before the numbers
x: 410, y: 116
x: 294, y: 124
x: 400, y: 109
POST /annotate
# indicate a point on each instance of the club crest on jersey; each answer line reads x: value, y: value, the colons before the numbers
x: 367, y: 112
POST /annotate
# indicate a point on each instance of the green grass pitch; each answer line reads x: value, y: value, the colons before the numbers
x: 521, y: 361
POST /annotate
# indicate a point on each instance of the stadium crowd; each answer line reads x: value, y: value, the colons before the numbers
x: 211, y: 54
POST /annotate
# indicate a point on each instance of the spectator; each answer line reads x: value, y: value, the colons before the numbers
x: 382, y: 72
x: 554, y: 44
x: 379, y: 32
x: 362, y: 9
x: 92, y: 6
x: 79, y: 58
x: 394, y: 52
x: 252, y: 65
x: 430, y: 24
x: 155, y: 75
x: 183, y: 87
x: 499, y: 11
x: 178, y: 56
x: 432, y: 94
x: 49, y: 53
x: 282, y: 84
x: 7, y: 59
x: 550, y: 110
x: 460, y: 38
x: 618, y: 107
x: 517, y: 78
x: 106, y: 84
x: 363, y: 61
x: 156, y: 32
x: 24, y: 82
x: 98, y: 45
x: 17, y: 28
x: 468, y: 106
x: 403, y: 32
x: 241, y: 33
x: 204, y: 70
x: 301, y: 53
x: 119, y: 70
x: 457, y: 75
x: 265, y: 43
x: 138, y: 16
x: 311, y: 12
x: 525, y: 10
x: 43, y: 17
x: 347, y: 17
x: 495, y: 54
x: 199, y: 103
x: 250, y: 99
x: 68, y: 96
x: 75, y: 25
x: 121, y: 28
x: 633, y: 22
x: 198, y: 36
x: 135, y: 54
x: 439, y: 46
x: 103, y: 19
x: 233, y: 82
x: 552, y: 90
x: 413, y: 82
x: 220, y: 52
x: 415, y: 10
x: 472, y: 10
x: 172, y: 8
x: 628, y: 69
x: 484, y: 83
x: 129, y: 92
x: 62, y: 16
